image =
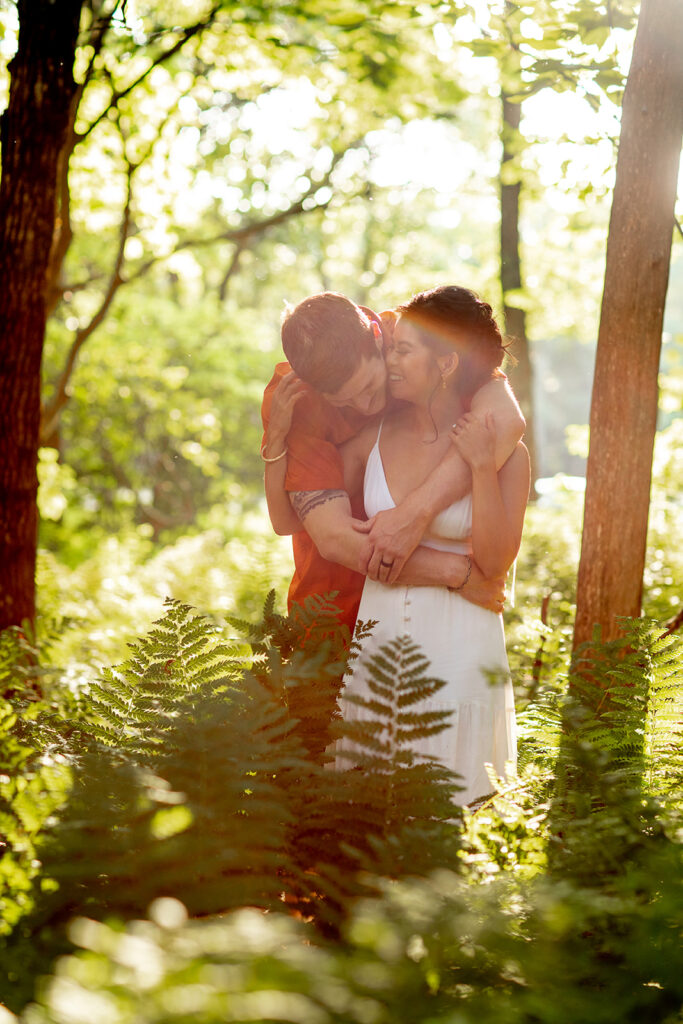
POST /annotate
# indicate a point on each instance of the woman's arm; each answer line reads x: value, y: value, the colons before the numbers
x: 498, y: 497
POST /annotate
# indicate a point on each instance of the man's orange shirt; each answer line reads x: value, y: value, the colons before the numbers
x: 314, y: 464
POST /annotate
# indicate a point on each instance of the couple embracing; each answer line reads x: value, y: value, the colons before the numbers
x: 393, y: 457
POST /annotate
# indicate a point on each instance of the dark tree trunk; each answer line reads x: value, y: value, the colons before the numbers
x: 33, y: 131
x: 624, y: 404
x: 521, y: 375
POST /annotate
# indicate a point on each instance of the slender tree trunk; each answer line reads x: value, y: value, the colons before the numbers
x: 511, y: 273
x: 624, y: 403
x: 33, y: 131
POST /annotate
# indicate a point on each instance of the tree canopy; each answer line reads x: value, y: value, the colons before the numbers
x: 221, y: 158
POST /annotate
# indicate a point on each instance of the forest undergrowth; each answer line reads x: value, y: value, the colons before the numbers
x: 176, y: 849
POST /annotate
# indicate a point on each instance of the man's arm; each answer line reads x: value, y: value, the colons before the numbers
x: 395, y: 533
x: 277, y: 412
x: 283, y: 518
x: 326, y: 516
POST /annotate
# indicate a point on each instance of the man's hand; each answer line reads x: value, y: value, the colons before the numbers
x: 489, y: 594
x: 393, y: 535
x: 286, y: 395
x: 475, y: 439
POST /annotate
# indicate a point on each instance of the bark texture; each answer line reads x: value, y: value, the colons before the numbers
x: 624, y: 402
x: 33, y: 131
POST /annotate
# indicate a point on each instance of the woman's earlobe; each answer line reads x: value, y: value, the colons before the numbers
x: 448, y: 366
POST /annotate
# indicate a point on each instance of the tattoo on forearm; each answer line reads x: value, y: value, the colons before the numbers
x: 304, y: 502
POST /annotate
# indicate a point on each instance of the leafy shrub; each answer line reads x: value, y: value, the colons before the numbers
x: 196, y: 772
x: 195, y: 785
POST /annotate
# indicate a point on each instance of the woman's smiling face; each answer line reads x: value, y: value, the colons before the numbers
x: 413, y: 371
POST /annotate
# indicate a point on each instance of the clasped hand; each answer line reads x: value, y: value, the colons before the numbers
x: 393, y: 536
x: 475, y: 440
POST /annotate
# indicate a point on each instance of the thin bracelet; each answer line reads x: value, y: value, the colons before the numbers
x: 454, y: 590
x: 277, y: 457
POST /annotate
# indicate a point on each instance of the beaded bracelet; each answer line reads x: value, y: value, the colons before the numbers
x: 277, y: 457
x: 467, y: 576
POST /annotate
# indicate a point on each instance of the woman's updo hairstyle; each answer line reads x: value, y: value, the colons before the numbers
x: 450, y: 318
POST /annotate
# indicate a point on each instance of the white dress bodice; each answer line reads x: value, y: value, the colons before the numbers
x: 450, y: 530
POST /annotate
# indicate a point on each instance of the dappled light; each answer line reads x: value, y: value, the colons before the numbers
x: 200, y: 817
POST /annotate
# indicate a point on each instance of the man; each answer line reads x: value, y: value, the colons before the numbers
x: 335, y: 349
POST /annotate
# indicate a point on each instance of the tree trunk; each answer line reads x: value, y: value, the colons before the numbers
x: 521, y: 375
x: 624, y: 403
x: 33, y: 131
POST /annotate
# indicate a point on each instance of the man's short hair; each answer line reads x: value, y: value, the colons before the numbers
x: 325, y: 338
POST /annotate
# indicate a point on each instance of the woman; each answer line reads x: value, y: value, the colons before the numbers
x: 446, y: 345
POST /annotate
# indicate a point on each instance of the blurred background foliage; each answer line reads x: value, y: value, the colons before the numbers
x: 230, y: 158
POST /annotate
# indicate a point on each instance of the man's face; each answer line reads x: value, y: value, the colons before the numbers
x: 366, y: 390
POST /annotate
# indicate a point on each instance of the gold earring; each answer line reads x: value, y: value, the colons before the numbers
x: 444, y: 382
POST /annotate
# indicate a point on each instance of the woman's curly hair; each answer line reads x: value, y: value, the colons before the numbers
x: 450, y: 318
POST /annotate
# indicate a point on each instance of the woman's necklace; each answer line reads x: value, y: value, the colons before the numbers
x: 424, y: 432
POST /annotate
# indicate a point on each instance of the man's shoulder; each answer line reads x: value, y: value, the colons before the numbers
x: 309, y: 399
x: 281, y: 370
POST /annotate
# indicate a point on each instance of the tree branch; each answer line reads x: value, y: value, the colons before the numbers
x: 63, y: 232
x: 98, y: 30
x: 232, y: 269
x: 79, y: 286
x: 246, y: 232
x: 62, y: 235
x: 157, y: 519
x: 673, y: 625
x: 52, y: 409
x: 119, y: 94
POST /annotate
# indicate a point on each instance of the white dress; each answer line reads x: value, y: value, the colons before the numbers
x: 464, y: 643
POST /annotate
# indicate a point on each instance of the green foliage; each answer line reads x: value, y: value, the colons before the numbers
x: 177, y: 782
x: 193, y: 783
x: 539, y: 627
x: 508, y: 945
x: 195, y: 770
x: 394, y: 817
x: 34, y: 783
x: 267, y: 158
x: 300, y: 659
x: 120, y: 587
